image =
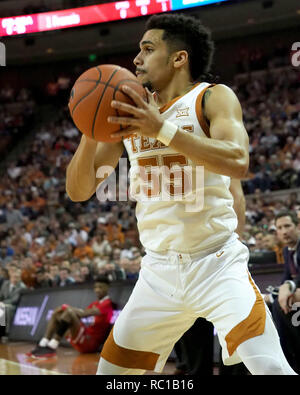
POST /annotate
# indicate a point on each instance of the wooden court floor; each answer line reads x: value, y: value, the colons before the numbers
x: 13, y: 361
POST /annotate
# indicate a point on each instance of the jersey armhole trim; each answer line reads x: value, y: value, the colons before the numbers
x: 200, y: 116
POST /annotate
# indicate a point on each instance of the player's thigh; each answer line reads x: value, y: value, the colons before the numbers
x: 71, y: 317
x: 144, y: 344
x: 236, y: 307
x: 147, y: 329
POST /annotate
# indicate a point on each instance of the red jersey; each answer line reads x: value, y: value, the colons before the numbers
x: 98, y: 325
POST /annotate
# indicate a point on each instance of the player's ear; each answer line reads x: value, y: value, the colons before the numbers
x: 180, y: 58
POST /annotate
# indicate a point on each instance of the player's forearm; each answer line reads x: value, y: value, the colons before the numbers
x: 81, y: 174
x: 81, y: 313
x: 87, y: 312
x: 217, y: 156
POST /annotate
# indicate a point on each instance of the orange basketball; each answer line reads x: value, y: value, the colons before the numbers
x: 91, y: 96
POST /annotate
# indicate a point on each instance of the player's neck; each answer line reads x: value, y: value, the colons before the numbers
x: 179, y: 86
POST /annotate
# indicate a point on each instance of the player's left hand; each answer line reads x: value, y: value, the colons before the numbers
x: 145, y: 117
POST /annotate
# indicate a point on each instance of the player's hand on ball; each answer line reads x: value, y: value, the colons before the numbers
x: 145, y: 119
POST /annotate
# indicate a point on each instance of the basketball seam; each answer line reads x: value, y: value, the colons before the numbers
x: 79, y: 101
x: 99, y: 102
x: 97, y: 82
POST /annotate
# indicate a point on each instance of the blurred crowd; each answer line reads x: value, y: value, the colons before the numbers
x: 251, y: 59
x: 16, y: 115
x: 271, y: 109
x: 260, y: 231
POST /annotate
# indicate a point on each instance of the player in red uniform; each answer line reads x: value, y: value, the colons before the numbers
x: 85, y: 337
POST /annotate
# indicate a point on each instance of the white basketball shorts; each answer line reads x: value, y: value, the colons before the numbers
x: 172, y: 291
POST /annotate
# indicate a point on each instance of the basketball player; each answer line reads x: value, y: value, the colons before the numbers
x: 84, y: 337
x: 194, y: 266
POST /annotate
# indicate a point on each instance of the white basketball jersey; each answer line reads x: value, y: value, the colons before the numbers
x: 189, y: 209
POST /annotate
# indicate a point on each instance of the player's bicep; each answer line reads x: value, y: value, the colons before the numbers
x: 224, y: 113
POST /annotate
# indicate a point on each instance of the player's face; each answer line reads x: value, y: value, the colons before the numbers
x: 100, y: 290
x: 286, y: 230
x: 153, y: 63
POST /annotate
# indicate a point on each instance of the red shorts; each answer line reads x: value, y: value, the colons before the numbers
x: 84, y: 342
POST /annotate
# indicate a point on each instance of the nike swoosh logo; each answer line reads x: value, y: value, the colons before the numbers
x: 221, y: 253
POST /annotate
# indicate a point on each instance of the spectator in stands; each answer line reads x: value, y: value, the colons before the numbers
x: 111, y: 272
x: 3, y: 275
x: 42, y: 280
x: 125, y: 220
x: 269, y: 140
x: 83, y: 228
x: 37, y: 203
x: 114, y: 229
x: 84, y: 337
x: 259, y: 244
x: 296, y: 162
x: 288, y: 176
x: 14, y: 217
x: 52, y: 89
x: 10, y: 293
x: 100, y: 262
x: 76, y: 275
x: 65, y: 278
x: 83, y: 249
x: 131, y: 266
x: 6, y: 251
x: 286, y: 224
x: 100, y: 244
x: 116, y: 255
x: 269, y: 244
x: 25, y: 236
x: 75, y: 265
x: 53, y: 275
x: 72, y: 234
x: 63, y: 248
x: 28, y: 273
x: 275, y: 165
x: 24, y: 95
x: 86, y: 274
x: 293, y: 201
x: 262, y: 178
x: 290, y: 146
x: 272, y: 243
x: 14, y: 171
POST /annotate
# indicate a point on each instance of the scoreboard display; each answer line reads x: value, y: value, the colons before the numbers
x: 46, y: 21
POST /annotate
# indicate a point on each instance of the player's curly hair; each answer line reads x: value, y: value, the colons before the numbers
x: 182, y: 32
x: 101, y: 279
